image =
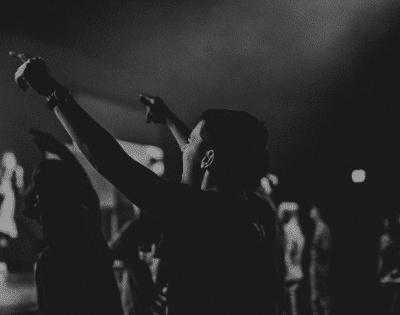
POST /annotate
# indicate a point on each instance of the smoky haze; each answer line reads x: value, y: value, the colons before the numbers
x: 288, y: 62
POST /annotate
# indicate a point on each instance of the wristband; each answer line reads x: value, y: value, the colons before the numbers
x: 59, y: 96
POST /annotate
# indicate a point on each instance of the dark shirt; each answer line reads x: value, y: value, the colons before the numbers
x: 139, y: 292
x: 218, y: 249
x: 75, y: 278
x: 219, y: 254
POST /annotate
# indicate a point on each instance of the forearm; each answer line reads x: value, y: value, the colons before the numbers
x: 96, y: 143
x: 179, y: 130
x: 104, y: 152
x: 135, y: 181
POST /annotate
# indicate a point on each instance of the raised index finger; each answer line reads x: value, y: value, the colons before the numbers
x: 22, y: 57
x: 146, y: 99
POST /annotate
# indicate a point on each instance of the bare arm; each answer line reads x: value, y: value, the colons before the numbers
x: 140, y: 185
x: 158, y: 112
x: 179, y: 130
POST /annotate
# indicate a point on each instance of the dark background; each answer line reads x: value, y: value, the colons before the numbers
x: 324, y: 75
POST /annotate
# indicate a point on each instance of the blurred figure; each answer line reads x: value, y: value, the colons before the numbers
x: 9, y: 171
x: 218, y: 242
x: 265, y: 192
x: 74, y: 272
x: 19, y: 236
x: 319, y: 264
x: 294, y: 246
x: 139, y: 292
x: 389, y: 265
x: 389, y: 245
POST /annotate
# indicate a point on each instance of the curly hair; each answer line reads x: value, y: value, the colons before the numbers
x: 239, y: 141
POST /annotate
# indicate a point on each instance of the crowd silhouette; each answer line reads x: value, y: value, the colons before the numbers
x: 216, y: 243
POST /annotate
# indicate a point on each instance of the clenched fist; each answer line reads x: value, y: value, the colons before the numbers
x: 157, y: 111
x: 34, y: 72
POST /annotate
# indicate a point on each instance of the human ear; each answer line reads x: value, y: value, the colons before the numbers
x: 208, y: 159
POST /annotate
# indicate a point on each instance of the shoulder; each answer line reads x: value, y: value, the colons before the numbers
x: 177, y: 195
x: 262, y: 216
x: 192, y: 204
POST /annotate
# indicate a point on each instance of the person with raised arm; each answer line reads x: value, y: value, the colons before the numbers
x: 74, y: 272
x: 158, y: 112
x: 7, y: 193
x: 218, y: 243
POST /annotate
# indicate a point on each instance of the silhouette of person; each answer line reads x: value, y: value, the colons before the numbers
x: 7, y: 206
x: 294, y: 246
x: 74, y: 273
x: 389, y: 264
x: 139, y: 291
x: 319, y: 264
x: 158, y: 112
x: 218, y: 243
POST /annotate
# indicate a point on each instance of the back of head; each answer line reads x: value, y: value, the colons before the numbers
x: 56, y: 185
x: 239, y: 141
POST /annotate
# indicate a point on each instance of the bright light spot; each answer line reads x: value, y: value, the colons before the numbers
x: 358, y: 176
x: 3, y: 267
x: 289, y: 206
x: 108, y: 202
x: 3, y: 276
x: 273, y: 179
x: 52, y: 156
x: 19, y: 172
x: 3, y: 242
x: 118, y: 264
x: 9, y: 160
x: 154, y: 152
x: 158, y: 168
x: 266, y: 185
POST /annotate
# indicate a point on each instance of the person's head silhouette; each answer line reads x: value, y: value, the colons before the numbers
x: 226, y: 151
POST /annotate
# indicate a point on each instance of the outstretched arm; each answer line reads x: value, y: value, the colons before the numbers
x: 158, y: 112
x: 48, y: 143
x: 139, y: 184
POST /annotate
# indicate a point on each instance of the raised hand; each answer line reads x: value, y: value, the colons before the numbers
x: 35, y: 73
x: 157, y: 111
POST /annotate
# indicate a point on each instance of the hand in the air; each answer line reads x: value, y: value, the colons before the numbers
x: 157, y: 111
x: 34, y: 72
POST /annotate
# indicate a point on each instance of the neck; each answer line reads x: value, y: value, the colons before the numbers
x: 209, y: 184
